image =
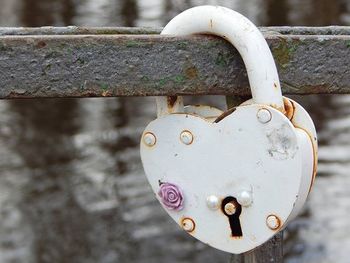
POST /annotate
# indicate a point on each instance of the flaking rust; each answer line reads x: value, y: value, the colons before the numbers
x: 289, y: 107
x: 171, y: 101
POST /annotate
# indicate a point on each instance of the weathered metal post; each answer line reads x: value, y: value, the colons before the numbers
x: 271, y: 251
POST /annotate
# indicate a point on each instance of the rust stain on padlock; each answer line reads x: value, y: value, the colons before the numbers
x: 289, y: 108
x: 279, y: 108
x: 312, y: 138
x: 314, y: 167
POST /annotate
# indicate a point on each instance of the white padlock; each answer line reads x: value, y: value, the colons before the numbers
x: 231, y: 180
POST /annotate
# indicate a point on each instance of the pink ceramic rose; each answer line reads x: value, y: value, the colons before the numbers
x: 171, y: 196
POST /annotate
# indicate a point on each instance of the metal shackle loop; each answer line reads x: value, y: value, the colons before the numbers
x: 245, y: 37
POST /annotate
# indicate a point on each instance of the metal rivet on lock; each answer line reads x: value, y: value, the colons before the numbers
x: 264, y: 115
x: 245, y: 198
x: 213, y: 202
x: 149, y: 139
x: 273, y: 222
x: 230, y: 208
x: 186, y: 137
x: 188, y: 224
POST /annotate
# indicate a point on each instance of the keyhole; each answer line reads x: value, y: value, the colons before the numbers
x: 232, y: 209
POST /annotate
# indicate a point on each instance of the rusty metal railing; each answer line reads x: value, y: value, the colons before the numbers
x: 102, y: 62
x: 52, y: 62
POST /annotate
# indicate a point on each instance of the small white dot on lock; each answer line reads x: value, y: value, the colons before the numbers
x: 264, y: 115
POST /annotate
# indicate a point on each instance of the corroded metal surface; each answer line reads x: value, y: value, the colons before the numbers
x: 102, y: 62
x: 79, y: 30
x: 271, y: 251
x: 75, y: 30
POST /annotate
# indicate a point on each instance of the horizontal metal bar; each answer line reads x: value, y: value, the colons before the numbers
x: 75, y: 30
x: 85, y: 62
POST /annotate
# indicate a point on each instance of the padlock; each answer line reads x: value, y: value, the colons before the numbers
x: 231, y: 179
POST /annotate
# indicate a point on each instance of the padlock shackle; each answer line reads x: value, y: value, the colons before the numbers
x: 244, y: 36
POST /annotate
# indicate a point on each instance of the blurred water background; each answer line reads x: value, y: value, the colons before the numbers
x: 72, y: 188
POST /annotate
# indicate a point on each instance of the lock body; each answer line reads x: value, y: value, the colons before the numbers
x: 241, y: 153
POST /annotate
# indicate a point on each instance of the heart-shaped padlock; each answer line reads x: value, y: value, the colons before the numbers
x: 233, y: 179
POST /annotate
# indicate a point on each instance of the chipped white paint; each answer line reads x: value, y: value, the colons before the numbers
x: 207, y: 112
x: 280, y: 146
x: 254, y: 156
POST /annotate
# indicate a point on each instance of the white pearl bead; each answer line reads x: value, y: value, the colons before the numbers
x: 213, y: 202
x: 245, y: 198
